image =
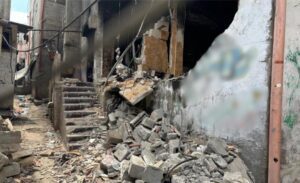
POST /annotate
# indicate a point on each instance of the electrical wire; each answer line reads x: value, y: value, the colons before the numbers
x: 53, y: 37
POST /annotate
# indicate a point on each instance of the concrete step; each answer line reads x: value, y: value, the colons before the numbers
x: 77, y: 114
x: 75, y: 145
x: 77, y: 137
x: 75, y: 100
x: 78, y: 89
x: 79, y: 128
x: 80, y: 94
x: 83, y: 121
x: 78, y: 83
x: 80, y: 106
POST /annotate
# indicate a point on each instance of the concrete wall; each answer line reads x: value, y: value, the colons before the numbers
x: 53, y: 19
x: 291, y: 118
x: 7, y: 71
x: 5, y: 9
x: 226, y: 94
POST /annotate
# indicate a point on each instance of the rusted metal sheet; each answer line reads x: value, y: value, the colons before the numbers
x: 276, y: 93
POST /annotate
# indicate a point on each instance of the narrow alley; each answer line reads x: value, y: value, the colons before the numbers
x: 156, y: 91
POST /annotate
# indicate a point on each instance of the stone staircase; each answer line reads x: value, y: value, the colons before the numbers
x: 80, y: 117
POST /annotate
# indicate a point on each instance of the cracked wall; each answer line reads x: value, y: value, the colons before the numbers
x: 226, y: 94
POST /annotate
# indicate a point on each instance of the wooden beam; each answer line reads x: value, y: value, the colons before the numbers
x: 276, y: 93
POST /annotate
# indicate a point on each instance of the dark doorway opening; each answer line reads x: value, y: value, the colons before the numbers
x: 204, y: 21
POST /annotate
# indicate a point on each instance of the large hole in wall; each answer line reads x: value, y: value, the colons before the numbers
x: 204, y: 21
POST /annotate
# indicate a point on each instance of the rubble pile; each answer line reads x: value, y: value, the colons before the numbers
x: 147, y: 148
x: 11, y: 155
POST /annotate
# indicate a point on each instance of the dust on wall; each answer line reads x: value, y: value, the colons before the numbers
x: 226, y: 94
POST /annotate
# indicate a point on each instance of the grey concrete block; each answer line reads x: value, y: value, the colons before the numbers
x: 121, y: 152
x: 10, y: 170
x: 152, y: 174
x: 3, y: 160
x: 136, y: 167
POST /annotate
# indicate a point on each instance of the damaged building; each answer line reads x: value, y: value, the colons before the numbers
x: 151, y: 91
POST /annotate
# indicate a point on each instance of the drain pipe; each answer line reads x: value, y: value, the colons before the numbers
x: 276, y: 93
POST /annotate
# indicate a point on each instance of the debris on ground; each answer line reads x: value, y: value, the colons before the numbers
x: 11, y: 155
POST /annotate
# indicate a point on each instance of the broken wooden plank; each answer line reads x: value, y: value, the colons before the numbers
x: 10, y: 137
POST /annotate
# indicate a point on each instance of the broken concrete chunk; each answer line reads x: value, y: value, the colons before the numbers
x: 153, y: 137
x: 139, y: 181
x: 124, y: 171
x: 237, y: 165
x: 114, y: 136
x: 145, y: 145
x: 171, y: 162
x: 10, y: 170
x: 122, y: 152
x: 163, y: 156
x: 138, y: 119
x: 142, y: 132
x: 152, y: 174
x: 219, y: 161
x: 157, y: 115
x: 174, y: 145
x: 21, y: 154
x: 9, y: 148
x: 3, y: 160
x: 211, y: 166
x: 136, y: 167
x: 217, y: 146
x: 178, y: 179
x: 230, y: 177
x: 109, y: 164
x: 171, y: 136
x: 148, y: 123
x: 148, y: 157
x: 10, y: 137
x: 112, y: 117
x: 7, y: 123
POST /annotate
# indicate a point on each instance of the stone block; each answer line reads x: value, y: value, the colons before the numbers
x: 109, y: 164
x: 121, y: 152
x: 21, y: 154
x: 115, y: 136
x: 124, y: 175
x: 174, y: 145
x: 216, y: 145
x: 10, y: 170
x: 9, y: 148
x: 3, y: 160
x: 142, y: 132
x: 136, y: 167
x: 219, y: 161
x: 152, y: 174
x: 10, y: 137
x: 148, y: 157
x: 148, y: 123
x: 211, y: 166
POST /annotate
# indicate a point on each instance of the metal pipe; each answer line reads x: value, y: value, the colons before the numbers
x: 276, y: 90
